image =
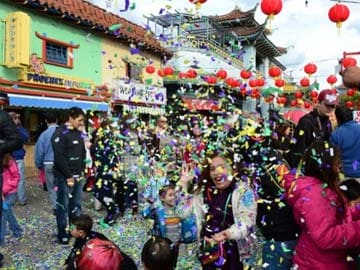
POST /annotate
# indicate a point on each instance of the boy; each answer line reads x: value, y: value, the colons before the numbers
x: 80, y: 229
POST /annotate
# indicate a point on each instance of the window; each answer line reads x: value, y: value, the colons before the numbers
x: 56, y: 52
x: 134, y: 72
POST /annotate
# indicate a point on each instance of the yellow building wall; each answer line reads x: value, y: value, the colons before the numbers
x: 114, y: 58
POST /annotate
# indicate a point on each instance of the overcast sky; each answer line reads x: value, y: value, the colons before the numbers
x: 306, y: 31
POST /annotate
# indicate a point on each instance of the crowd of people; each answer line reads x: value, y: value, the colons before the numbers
x: 251, y: 193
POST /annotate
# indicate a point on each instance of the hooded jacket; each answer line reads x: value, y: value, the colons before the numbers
x: 326, y: 238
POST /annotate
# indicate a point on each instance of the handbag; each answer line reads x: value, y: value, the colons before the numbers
x: 213, y: 253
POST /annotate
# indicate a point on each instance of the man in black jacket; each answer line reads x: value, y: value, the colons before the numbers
x: 69, y: 164
x: 314, y: 125
x: 10, y: 140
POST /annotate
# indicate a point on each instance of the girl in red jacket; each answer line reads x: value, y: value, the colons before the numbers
x: 11, y: 178
x: 327, y: 237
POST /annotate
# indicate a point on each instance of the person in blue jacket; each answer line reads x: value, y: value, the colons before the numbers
x: 347, y: 137
x: 44, y: 155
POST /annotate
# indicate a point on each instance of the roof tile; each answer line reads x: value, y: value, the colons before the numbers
x: 97, y: 16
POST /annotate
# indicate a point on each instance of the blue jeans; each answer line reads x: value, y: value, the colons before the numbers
x: 9, y: 217
x: 274, y: 250
x: 68, y: 203
x: 21, y: 192
x: 50, y: 184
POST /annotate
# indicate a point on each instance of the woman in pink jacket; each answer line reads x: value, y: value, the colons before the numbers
x: 326, y: 238
x: 11, y: 178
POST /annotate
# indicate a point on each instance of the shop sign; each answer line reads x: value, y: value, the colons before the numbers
x: 36, y: 74
x: 139, y: 93
x: 17, y: 41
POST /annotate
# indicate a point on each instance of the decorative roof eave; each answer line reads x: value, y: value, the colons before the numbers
x: 99, y: 20
x: 236, y: 15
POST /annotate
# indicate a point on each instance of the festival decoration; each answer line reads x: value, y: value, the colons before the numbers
x: 298, y: 94
x: 279, y: 82
x: 338, y: 14
x: 168, y: 71
x: 253, y: 83
x: 197, y: 3
x: 191, y: 73
x: 245, y: 74
x: 221, y: 74
x: 314, y: 94
x: 150, y: 69
x: 350, y: 92
x: 271, y: 8
x: 349, y: 104
x: 348, y: 62
x: 304, y: 82
x: 260, y: 82
x: 310, y: 69
x: 211, y: 79
x: 274, y: 72
x: 161, y: 73
x: 331, y: 79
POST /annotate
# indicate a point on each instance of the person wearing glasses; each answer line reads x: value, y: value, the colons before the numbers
x: 314, y: 125
x: 19, y: 156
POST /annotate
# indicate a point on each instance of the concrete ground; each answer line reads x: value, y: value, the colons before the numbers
x: 38, y: 249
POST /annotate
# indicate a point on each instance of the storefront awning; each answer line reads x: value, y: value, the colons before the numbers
x: 55, y: 103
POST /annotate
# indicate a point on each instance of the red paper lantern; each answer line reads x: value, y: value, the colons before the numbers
x: 235, y: 84
x: 350, y: 92
x: 293, y: 103
x: 304, y: 82
x: 298, y: 94
x: 271, y: 7
x: 281, y: 100
x: 274, y: 71
x: 182, y: 75
x: 279, y: 82
x: 310, y: 69
x: 161, y: 73
x: 260, y: 82
x: 338, y: 14
x: 331, y: 79
x: 150, y: 69
x: 307, y: 105
x: 229, y: 81
x: 255, y: 93
x: 243, y: 91
x: 197, y: 2
x: 348, y: 62
x: 253, y: 83
x: 245, y: 74
x: 222, y: 74
x: 191, y: 73
x: 313, y: 94
x: 211, y: 80
x: 349, y: 104
x: 168, y: 71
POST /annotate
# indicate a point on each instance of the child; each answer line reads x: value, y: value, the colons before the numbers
x: 11, y: 178
x: 80, y: 229
x: 157, y: 255
x: 167, y: 222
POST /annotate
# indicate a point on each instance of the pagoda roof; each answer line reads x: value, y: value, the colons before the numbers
x: 236, y: 15
x: 88, y: 15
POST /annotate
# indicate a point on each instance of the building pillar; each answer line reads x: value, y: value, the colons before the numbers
x: 249, y: 57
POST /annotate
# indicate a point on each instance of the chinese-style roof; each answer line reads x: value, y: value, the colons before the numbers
x: 96, y: 18
x: 236, y: 15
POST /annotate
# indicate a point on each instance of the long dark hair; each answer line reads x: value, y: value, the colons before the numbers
x: 203, y: 180
x: 322, y: 161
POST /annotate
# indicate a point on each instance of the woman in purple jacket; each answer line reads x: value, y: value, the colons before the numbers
x: 326, y: 238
